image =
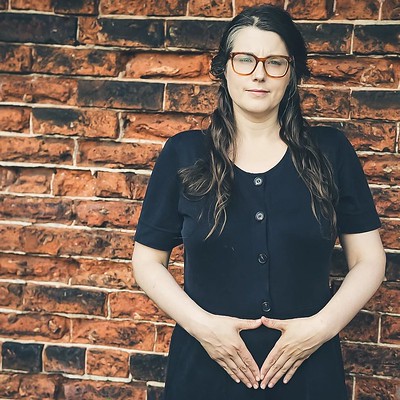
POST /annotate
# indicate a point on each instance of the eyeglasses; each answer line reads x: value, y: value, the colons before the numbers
x: 274, y: 66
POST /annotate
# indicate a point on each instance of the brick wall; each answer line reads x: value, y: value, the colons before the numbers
x: 89, y: 91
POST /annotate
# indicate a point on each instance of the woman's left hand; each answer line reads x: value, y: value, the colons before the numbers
x: 300, y: 338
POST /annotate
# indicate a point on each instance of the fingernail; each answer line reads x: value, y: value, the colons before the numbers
x: 270, y: 385
x: 258, y: 378
x: 249, y: 385
x: 263, y: 386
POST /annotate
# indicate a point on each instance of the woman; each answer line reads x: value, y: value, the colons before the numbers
x: 258, y: 200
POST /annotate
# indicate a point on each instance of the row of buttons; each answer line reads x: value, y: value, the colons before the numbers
x: 262, y: 257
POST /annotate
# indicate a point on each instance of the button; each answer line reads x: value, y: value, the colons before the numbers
x: 258, y: 180
x: 266, y: 306
x: 262, y: 258
x: 259, y: 216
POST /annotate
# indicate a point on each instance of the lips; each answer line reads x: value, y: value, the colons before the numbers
x: 257, y: 91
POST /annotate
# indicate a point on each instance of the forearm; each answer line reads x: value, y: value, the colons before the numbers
x: 357, y: 288
x: 162, y: 288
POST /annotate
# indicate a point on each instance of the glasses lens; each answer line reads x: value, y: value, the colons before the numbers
x: 276, y: 66
x: 244, y: 63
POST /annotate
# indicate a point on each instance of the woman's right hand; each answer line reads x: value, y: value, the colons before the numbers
x: 221, y: 339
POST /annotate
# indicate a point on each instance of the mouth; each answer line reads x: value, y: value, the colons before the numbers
x: 257, y: 91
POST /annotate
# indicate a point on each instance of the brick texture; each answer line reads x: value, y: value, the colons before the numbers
x: 89, y: 92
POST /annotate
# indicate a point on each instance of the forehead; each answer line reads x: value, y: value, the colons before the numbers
x: 259, y: 42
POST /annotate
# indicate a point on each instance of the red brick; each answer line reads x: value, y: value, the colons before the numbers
x: 368, y: 135
x: 241, y: 4
x: 15, y: 58
x: 375, y: 104
x: 9, y: 384
x: 168, y: 66
x: 390, y: 234
x: 122, y: 32
x: 38, y: 387
x: 127, y: 334
x: 35, y: 326
x: 354, y: 71
x: 156, y: 126
x: 118, y: 155
x: 106, y: 213
x: 108, y: 274
x: 102, y: 184
x: 74, y: 61
x: 3, y: 4
x: 25, y: 180
x: 386, y: 201
x: 217, y: 8
x: 325, y: 102
x: 376, y: 39
x: 191, y: 98
x: 37, y: 268
x: 386, y: 299
x: 353, y: 9
x: 74, y: 183
x: 177, y: 273
x: 310, y: 9
x: 114, y: 363
x: 92, y: 390
x: 376, y: 388
x: 151, y: 7
x: 37, y: 5
x: 125, y: 185
x: 390, y: 332
x: 391, y: 9
x: 363, y: 328
x: 64, y: 300
x: 37, y: 149
x: 14, y: 119
x: 68, y: 242
x: 36, y: 209
x: 163, y: 341
x: 381, y: 168
x: 11, y: 295
x: 137, y: 306
x: 370, y: 359
x: 30, y: 89
x: 80, y: 122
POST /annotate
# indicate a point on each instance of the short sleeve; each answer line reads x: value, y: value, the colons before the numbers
x: 356, y: 210
x: 159, y: 224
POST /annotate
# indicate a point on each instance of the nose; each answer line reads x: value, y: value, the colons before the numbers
x: 259, y: 72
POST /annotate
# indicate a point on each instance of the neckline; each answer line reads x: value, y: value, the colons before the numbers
x: 280, y: 162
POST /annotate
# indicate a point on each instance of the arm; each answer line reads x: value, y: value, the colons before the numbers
x: 303, y: 336
x: 219, y: 335
x: 366, y: 260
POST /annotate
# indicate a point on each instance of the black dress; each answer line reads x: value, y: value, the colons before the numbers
x: 272, y: 259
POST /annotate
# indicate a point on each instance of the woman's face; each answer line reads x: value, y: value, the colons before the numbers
x: 256, y: 96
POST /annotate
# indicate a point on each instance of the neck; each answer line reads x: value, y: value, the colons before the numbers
x: 263, y: 128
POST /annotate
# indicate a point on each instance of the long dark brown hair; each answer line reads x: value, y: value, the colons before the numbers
x: 215, y: 175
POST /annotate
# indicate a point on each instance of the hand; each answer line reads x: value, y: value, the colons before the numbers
x: 224, y: 345
x: 300, y: 338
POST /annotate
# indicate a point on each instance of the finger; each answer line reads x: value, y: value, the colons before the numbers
x: 236, y: 369
x: 279, y: 373
x: 292, y: 370
x: 249, y: 362
x: 275, y: 366
x: 225, y: 366
x: 244, y: 324
x: 271, y: 359
x: 278, y: 324
x: 244, y: 366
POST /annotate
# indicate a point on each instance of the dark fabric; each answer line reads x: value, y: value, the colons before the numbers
x: 282, y: 259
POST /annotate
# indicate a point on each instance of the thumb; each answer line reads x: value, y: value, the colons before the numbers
x: 273, y: 323
x: 250, y: 323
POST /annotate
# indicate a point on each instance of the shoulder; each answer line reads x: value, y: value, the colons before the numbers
x: 187, y: 146
x: 331, y: 141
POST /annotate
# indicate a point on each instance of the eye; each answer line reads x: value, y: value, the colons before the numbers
x: 245, y: 58
x: 276, y: 61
